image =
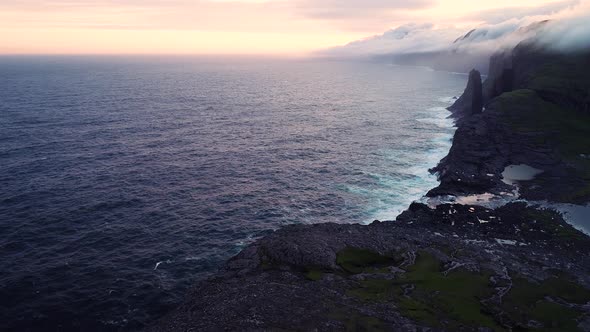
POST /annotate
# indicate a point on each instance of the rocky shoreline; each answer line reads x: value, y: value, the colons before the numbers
x: 537, y: 114
x: 443, y: 267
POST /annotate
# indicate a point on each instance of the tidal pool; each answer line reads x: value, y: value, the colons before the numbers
x: 514, y: 173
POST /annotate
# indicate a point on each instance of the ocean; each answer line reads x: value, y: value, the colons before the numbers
x: 124, y: 180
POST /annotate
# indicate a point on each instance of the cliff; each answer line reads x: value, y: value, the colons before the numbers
x: 536, y: 113
x: 450, y: 267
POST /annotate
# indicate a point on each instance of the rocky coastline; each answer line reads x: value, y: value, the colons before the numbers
x: 449, y: 266
x: 536, y: 113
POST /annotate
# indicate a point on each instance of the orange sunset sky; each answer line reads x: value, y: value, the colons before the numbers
x: 277, y: 27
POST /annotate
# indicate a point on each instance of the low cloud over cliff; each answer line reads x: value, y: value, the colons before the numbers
x: 561, y: 25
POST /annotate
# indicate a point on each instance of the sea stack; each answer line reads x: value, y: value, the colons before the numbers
x: 471, y: 102
x: 476, y: 91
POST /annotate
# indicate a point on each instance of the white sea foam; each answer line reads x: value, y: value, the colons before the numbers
x: 162, y: 262
x: 394, y: 194
x: 447, y: 100
x: 441, y: 123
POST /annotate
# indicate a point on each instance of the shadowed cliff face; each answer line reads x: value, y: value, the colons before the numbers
x: 500, y: 76
x: 560, y: 78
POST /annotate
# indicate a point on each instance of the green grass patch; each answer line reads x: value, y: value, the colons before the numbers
x: 418, y: 311
x: 437, y: 300
x: 555, y: 317
x: 355, y: 321
x: 565, y: 76
x: 528, y: 301
x: 566, y: 130
x: 376, y: 290
x: 457, y: 294
x: 314, y: 275
x: 526, y: 293
x: 355, y: 260
x: 453, y: 301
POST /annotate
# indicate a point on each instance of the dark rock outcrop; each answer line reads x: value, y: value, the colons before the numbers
x: 454, y: 268
x: 471, y: 102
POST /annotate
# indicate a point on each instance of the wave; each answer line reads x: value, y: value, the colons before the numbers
x: 395, y: 192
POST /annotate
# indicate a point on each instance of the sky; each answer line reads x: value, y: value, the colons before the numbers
x: 275, y: 27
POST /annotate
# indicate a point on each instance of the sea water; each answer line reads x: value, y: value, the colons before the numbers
x: 124, y: 180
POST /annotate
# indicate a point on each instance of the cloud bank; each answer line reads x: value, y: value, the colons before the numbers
x: 569, y: 31
x: 290, y: 26
x: 568, y: 28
